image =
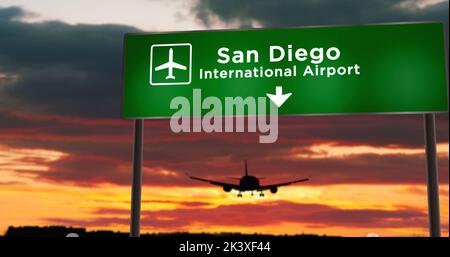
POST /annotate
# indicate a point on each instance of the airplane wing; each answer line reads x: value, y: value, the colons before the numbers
x: 217, y: 183
x: 178, y: 66
x: 267, y: 187
x: 163, y: 66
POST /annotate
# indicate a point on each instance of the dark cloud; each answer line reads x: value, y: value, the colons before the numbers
x: 61, y: 68
x: 268, y: 213
x: 376, y: 130
x: 100, y: 150
x: 84, y: 170
x: 318, y: 12
x: 190, y: 204
x: 89, y: 170
x: 11, y: 13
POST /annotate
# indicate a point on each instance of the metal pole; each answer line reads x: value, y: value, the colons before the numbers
x: 136, y: 187
x: 432, y: 175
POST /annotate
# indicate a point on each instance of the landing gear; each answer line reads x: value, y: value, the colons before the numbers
x: 261, y: 194
x: 239, y: 195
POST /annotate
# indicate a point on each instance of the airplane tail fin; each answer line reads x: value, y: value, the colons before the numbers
x: 170, y: 77
x: 246, y: 169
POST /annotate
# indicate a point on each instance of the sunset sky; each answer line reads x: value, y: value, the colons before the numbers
x: 65, y: 152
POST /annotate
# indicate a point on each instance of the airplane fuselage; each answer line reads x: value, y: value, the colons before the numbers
x: 249, y: 183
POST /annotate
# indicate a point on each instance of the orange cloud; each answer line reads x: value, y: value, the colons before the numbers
x: 334, y: 150
x: 13, y: 161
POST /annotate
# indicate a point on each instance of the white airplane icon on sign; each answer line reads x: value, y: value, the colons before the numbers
x: 170, y: 65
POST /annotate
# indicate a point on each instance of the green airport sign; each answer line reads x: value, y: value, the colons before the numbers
x: 387, y: 68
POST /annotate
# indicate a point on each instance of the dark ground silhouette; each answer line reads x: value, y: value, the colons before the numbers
x: 61, y: 231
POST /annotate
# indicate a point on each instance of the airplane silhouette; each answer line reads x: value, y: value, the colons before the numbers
x: 248, y: 183
x: 170, y: 65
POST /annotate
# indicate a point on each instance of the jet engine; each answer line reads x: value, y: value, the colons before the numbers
x: 227, y: 189
x: 273, y: 190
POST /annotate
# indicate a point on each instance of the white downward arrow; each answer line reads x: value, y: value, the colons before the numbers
x: 279, y: 98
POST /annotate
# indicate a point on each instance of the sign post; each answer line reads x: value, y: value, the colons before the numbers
x: 136, y: 187
x: 432, y: 175
x: 397, y: 68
